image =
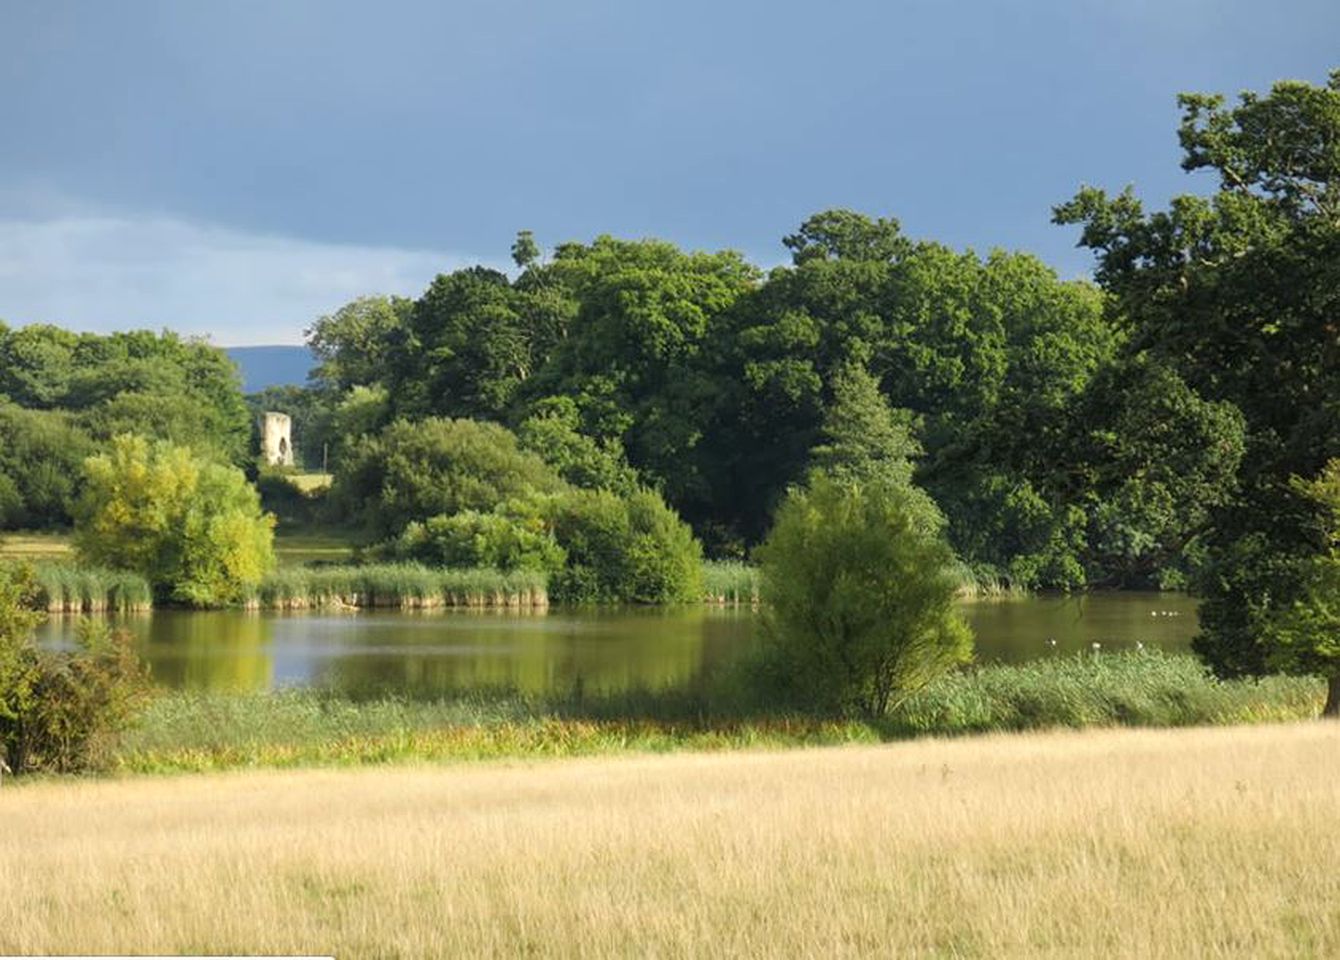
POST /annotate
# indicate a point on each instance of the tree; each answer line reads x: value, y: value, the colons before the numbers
x: 468, y: 348
x: 860, y: 593
x: 417, y: 470
x: 1152, y: 460
x: 192, y: 527
x: 41, y: 453
x: 525, y: 250
x: 846, y: 235
x: 1239, y: 293
x: 1304, y: 637
x: 59, y: 707
x: 354, y: 344
x: 552, y: 429
x: 864, y: 439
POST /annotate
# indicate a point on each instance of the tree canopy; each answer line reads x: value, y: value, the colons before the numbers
x: 1239, y: 293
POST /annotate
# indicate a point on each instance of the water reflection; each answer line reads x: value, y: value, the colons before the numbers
x: 428, y: 654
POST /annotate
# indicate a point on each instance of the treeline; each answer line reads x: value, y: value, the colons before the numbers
x: 64, y: 396
x: 1061, y: 455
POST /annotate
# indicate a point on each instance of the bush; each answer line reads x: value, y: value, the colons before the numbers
x: 630, y: 550
x: 515, y: 538
x: 59, y: 710
x: 193, y: 528
x: 860, y: 590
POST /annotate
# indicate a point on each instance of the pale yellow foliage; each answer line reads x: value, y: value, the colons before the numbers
x: 1218, y: 842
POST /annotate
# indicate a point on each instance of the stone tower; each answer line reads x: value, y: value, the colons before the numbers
x: 277, y: 439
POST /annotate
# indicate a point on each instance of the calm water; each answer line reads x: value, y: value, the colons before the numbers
x: 426, y: 654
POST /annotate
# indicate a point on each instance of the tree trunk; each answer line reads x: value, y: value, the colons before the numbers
x: 1332, y: 708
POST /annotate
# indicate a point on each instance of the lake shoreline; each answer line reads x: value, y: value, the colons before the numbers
x: 194, y: 732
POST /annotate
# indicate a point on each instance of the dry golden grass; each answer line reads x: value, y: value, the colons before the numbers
x: 1205, y: 842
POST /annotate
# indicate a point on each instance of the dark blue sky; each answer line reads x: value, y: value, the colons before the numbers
x: 238, y: 168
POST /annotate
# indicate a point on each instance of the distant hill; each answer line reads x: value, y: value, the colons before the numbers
x: 271, y: 366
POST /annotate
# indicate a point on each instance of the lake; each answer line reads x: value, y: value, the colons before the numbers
x: 428, y: 654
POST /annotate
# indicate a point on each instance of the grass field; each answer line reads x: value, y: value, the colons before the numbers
x: 291, y: 549
x: 23, y: 545
x: 1202, y: 842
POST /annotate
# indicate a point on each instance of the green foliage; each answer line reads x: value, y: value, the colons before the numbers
x: 624, y: 549
x: 41, y: 452
x: 159, y: 385
x: 864, y: 441
x: 552, y: 429
x: 514, y: 538
x: 473, y: 339
x: 60, y: 710
x: 1236, y: 293
x: 354, y: 344
x: 292, y: 505
x: 1159, y: 460
x: 192, y: 527
x: 860, y: 588
x: 412, y: 471
x: 525, y: 250
x: 1304, y: 637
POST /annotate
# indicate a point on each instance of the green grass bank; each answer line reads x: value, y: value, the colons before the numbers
x: 181, y: 732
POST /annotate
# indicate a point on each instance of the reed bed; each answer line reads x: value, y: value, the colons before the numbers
x: 66, y: 588
x: 730, y: 583
x: 400, y: 586
x: 975, y: 584
x: 1119, y: 843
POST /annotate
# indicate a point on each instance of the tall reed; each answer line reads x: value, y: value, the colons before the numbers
x: 66, y: 588
x: 400, y: 586
x: 985, y: 584
x: 730, y: 582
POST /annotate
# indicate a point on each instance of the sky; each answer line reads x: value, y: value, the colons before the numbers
x: 238, y: 169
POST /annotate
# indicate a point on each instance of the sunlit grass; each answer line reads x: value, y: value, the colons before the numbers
x: 1109, y: 843
x: 298, y: 549
x: 20, y: 545
x: 310, y: 483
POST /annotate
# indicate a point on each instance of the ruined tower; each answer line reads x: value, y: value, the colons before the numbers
x: 277, y: 439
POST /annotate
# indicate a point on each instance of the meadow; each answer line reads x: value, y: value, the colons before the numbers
x: 1199, y: 842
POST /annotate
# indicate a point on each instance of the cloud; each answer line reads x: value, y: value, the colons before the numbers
x: 104, y: 273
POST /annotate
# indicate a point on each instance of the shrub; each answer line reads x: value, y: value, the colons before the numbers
x: 59, y: 710
x: 192, y: 527
x: 515, y: 538
x: 860, y: 590
x: 633, y: 550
